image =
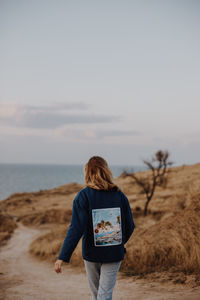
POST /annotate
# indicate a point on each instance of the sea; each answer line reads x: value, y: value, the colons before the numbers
x: 18, y: 178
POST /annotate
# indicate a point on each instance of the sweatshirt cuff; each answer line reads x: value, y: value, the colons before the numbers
x: 63, y: 258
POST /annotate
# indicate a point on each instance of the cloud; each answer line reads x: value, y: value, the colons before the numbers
x: 117, y: 133
x: 92, y: 134
x: 52, y: 120
x: 60, y: 106
x: 50, y: 116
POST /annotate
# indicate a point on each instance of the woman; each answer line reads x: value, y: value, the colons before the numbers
x: 101, y: 214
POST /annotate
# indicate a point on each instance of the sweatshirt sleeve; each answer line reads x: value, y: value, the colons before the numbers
x: 129, y: 222
x: 78, y: 224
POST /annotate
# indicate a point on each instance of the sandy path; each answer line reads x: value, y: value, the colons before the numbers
x: 23, y: 277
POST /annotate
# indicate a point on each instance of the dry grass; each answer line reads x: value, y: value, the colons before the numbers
x: 65, y: 189
x: 47, y: 246
x: 172, y: 243
x: 7, y: 226
x: 56, y: 216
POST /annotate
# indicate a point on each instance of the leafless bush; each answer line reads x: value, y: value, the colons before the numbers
x: 158, y: 166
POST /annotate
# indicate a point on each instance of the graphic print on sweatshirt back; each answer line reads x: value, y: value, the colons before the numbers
x: 107, y: 226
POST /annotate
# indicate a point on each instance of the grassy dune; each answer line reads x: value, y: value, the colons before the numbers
x: 53, y: 215
x: 48, y: 246
x: 168, y: 238
x: 172, y: 243
x: 7, y: 226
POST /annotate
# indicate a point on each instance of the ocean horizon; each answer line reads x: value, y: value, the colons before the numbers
x: 27, y: 177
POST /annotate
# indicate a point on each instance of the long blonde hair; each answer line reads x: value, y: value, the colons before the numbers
x: 98, y: 175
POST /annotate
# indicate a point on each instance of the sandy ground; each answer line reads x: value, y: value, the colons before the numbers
x: 23, y: 277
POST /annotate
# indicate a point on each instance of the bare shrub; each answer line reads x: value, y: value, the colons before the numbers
x: 158, y: 166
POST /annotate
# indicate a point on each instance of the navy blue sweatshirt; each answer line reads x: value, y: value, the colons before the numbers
x: 104, y: 221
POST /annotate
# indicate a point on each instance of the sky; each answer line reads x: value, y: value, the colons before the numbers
x: 120, y: 79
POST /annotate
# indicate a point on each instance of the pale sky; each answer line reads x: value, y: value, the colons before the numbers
x: 120, y: 79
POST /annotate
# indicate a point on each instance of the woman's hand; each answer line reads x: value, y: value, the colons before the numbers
x: 57, y: 266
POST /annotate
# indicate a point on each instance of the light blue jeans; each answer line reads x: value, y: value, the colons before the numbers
x: 102, y: 278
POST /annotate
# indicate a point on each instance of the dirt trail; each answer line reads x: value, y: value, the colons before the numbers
x: 23, y: 277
